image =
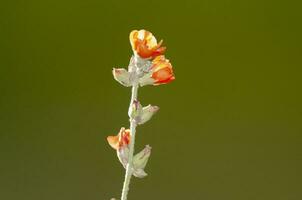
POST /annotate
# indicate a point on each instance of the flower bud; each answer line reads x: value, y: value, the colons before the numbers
x: 161, y: 72
x: 135, y: 110
x: 122, y: 76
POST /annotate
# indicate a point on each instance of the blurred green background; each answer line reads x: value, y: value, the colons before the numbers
x: 229, y: 126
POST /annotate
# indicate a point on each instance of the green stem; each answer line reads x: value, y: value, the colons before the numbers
x: 129, y: 168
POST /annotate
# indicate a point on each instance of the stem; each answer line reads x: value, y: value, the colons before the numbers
x: 129, y: 167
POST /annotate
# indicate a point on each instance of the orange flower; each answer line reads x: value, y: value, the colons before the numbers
x: 121, y: 140
x: 162, y: 70
x: 145, y: 45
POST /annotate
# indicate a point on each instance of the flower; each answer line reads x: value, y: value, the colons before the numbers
x: 161, y: 72
x: 121, y: 140
x: 145, y: 45
x: 120, y: 143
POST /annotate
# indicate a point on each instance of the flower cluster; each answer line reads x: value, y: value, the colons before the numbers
x: 148, y: 66
x: 120, y: 143
x: 155, y: 68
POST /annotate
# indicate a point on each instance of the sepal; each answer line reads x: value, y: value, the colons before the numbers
x: 147, y: 113
x: 141, y: 114
x: 123, y: 155
x: 122, y: 76
x: 139, y: 173
x: 146, y: 79
x: 140, y: 161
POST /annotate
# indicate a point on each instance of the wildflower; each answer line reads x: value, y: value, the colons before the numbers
x: 144, y: 44
x: 161, y: 72
x: 121, y: 140
x: 120, y: 143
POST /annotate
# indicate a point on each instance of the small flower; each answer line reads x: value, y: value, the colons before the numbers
x: 120, y: 143
x: 145, y: 45
x: 121, y: 140
x: 161, y: 72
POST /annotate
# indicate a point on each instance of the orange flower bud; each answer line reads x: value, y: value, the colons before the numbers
x: 162, y: 71
x: 121, y: 140
x: 145, y: 45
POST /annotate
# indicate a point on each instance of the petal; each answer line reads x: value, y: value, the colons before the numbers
x: 124, y: 137
x: 142, y: 34
x: 165, y: 81
x: 145, y: 44
x: 113, y: 141
x: 121, y: 140
x: 162, y: 74
x: 143, y: 50
x: 158, y: 51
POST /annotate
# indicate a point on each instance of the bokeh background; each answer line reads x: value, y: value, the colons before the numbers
x: 229, y: 127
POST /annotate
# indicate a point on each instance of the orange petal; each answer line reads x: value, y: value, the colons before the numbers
x: 113, y: 141
x: 164, y: 75
x: 124, y: 138
x: 120, y: 140
x: 145, y: 45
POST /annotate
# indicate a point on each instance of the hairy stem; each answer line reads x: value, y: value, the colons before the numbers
x: 129, y: 167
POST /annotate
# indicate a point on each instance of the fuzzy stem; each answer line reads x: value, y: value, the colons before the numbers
x: 129, y: 168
